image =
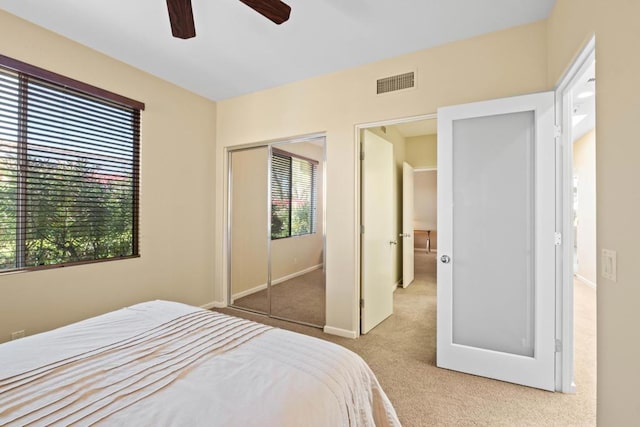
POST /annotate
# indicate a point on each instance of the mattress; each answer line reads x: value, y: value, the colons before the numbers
x: 163, y: 363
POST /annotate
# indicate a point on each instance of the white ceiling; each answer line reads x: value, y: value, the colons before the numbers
x: 238, y: 51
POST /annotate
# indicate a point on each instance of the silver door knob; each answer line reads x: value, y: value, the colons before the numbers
x: 445, y: 259
x: 404, y: 235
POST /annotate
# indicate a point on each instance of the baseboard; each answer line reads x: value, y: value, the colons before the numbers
x: 248, y: 292
x: 586, y: 281
x: 340, y: 332
x: 213, y: 304
x: 397, y: 285
x: 275, y: 282
x: 296, y: 274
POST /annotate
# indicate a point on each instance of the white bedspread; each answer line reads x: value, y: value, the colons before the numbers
x: 162, y: 363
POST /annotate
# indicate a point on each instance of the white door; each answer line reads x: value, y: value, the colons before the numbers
x: 407, y: 225
x: 378, y: 240
x: 496, y: 250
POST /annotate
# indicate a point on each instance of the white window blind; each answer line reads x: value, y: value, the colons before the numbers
x: 69, y: 172
x: 293, y: 195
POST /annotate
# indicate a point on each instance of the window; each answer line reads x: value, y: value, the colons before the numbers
x: 293, y: 195
x: 69, y: 170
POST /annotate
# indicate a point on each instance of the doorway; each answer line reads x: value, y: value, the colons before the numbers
x: 583, y: 142
x: 576, y: 114
x: 562, y: 297
x: 412, y: 142
x: 425, y: 212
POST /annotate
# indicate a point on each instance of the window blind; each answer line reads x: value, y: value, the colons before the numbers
x: 280, y: 196
x: 293, y: 195
x: 69, y: 174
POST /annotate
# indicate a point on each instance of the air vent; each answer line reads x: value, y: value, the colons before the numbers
x: 399, y: 82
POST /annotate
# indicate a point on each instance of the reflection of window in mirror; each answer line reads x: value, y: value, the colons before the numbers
x: 293, y: 195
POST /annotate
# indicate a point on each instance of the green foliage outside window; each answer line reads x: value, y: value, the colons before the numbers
x: 88, y: 217
x: 293, y: 196
x: 69, y: 162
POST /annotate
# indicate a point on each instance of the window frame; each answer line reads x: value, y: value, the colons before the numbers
x: 27, y: 71
x: 314, y: 192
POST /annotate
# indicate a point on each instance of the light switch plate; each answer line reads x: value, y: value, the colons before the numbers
x: 609, y: 264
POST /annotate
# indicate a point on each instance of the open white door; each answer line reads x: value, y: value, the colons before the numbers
x: 378, y: 241
x: 407, y: 225
x: 496, y: 244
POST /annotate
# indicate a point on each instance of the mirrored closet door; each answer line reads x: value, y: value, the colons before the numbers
x: 248, y: 222
x: 276, y: 195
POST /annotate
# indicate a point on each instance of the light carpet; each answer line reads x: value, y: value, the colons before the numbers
x: 300, y: 299
x: 402, y: 351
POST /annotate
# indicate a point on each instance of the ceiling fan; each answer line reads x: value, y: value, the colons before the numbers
x: 181, y: 14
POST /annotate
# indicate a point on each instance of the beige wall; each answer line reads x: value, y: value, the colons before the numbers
x: 614, y: 22
x: 501, y: 64
x: 176, y: 196
x: 584, y: 168
x: 425, y: 205
x: 249, y: 244
x: 422, y: 151
x: 295, y: 255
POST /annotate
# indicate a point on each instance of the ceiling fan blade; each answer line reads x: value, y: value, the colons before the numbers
x: 274, y: 10
x: 181, y: 18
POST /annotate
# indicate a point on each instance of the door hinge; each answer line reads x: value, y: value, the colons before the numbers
x: 558, y: 346
x: 557, y: 131
x: 557, y: 239
x: 362, y: 155
x: 361, y: 303
x: 361, y: 229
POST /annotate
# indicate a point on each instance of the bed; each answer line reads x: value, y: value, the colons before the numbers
x: 163, y: 363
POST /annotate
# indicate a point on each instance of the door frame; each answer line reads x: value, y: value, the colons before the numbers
x: 358, y: 210
x: 564, y: 196
x: 407, y: 250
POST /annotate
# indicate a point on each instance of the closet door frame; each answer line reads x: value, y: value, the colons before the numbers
x: 229, y: 210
